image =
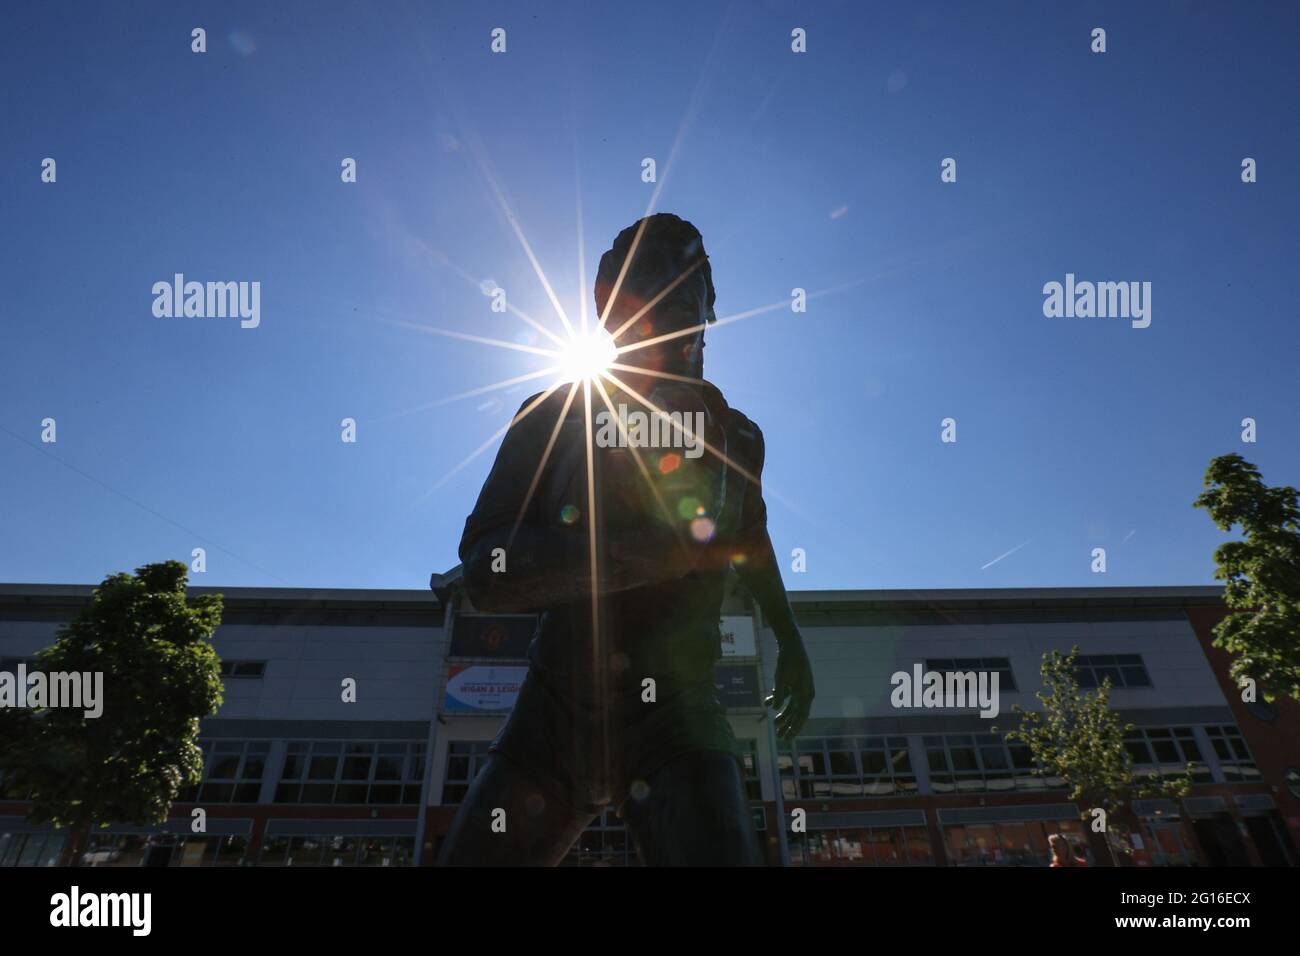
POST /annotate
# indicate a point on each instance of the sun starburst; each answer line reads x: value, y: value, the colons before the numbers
x: 586, y: 355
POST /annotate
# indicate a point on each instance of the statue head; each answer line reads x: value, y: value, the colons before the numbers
x: 670, y: 250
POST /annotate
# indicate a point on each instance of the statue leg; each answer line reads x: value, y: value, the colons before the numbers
x: 539, y: 827
x: 694, y: 813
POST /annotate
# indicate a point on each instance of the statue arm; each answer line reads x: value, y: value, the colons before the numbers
x: 793, y: 691
x: 761, y: 576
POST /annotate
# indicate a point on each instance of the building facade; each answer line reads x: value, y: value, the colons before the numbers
x: 354, y: 722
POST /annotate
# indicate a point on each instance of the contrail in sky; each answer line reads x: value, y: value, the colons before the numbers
x: 1001, y: 556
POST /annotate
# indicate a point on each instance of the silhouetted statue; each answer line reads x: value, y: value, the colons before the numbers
x: 619, y: 706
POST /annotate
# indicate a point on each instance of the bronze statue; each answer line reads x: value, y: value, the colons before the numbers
x: 619, y: 706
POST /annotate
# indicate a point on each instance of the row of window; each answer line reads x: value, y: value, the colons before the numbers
x: 1013, y: 843
x: 1020, y: 843
x: 115, y: 849
x: 353, y: 772
x: 392, y: 772
x: 993, y: 665
x: 120, y: 849
x: 862, y: 846
x: 846, y: 767
x: 316, y: 772
x: 1124, y: 670
x: 606, y: 842
x: 330, y: 850
x: 1166, y: 751
x: 243, y: 668
x: 32, y: 849
x: 826, y: 768
x: 967, y: 763
x: 228, y: 668
x: 882, y: 766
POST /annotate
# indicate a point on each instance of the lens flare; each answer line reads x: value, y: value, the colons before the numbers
x: 702, y: 529
x: 586, y: 356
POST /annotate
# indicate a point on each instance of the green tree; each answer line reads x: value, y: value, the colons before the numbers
x: 161, y: 675
x: 1261, y: 575
x: 1079, y: 738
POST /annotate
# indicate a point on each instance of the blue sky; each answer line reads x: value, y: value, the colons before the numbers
x: 818, y: 171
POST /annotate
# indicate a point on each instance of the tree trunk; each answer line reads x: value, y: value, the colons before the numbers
x: 76, y: 842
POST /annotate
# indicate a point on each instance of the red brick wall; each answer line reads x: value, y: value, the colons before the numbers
x: 1274, y: 744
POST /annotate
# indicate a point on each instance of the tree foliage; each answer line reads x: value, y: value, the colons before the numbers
x: 1261, y: 575
x: 1079, y: 738
x: 161, y: 675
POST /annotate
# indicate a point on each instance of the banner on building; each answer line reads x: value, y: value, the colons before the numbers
x: 738, y: 636
x: 482, y: 688
x: 737, y: 685
x: 503, y: 636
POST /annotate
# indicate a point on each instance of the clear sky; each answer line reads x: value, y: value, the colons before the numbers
x: 818, y: 170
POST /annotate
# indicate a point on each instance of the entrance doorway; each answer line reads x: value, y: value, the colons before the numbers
x: 1220, y: 841
x: 1270, y: 839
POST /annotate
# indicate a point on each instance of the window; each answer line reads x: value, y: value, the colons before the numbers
x: 605, y: 842
x: 114, y: 849
x: 210, y: 851
x: 862, y: 846
x: 982, y: 763
x: 999, y: 665
x: 352, y: 772
x: 1166, y: 752
x: 336, y: 850
x: 1292, y: 778
x: 32, y: 849
x: 1234, y: 756
x: 843, y: 767
x: 1165, y: 844
x: 749, y: 753
x: 232, y: 772
x: 243, y: 668
x: 1124, y: 670
x: 1013, y: 843
x: 464, y: 758
x: 123, y: 849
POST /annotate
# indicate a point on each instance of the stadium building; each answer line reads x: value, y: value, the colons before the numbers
x: 295, y: 775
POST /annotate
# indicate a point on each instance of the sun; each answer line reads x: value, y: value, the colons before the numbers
x: 586, y: 355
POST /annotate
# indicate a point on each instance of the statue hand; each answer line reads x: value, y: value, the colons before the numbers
x: 794, y: 688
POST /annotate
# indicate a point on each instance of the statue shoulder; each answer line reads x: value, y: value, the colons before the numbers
x: 744, y: 432
x: 741, y: 429
x: 543, y: 401
x: 539, y: 411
